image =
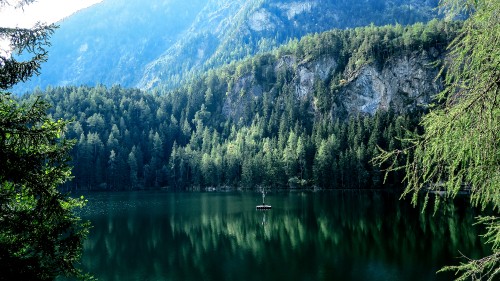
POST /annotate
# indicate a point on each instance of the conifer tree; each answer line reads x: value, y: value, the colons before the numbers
x: 460, y: 146
x: 40, y: 235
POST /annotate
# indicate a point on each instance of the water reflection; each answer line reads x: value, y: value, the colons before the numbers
x: 306, y: 236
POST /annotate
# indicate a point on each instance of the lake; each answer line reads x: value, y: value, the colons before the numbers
x: 306, y: 236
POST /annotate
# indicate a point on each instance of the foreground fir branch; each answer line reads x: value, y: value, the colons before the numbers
x: 485, y: 268
x: 460, y: 148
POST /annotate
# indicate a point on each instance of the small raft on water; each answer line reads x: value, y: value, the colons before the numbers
x: 263, y: 206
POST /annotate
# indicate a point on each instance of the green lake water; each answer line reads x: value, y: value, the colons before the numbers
x: 306, y: 236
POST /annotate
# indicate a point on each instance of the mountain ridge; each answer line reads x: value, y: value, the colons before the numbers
x: 161, y: 43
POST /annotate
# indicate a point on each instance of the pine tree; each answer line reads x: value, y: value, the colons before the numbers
x: 322, y: 165
x: 40, y: 235
x: 133, y: 168
x: 112, y: 170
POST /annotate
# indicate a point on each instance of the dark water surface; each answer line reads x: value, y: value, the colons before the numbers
x: 306, y: 236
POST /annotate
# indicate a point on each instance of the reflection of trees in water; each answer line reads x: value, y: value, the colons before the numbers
x: 327, y: 231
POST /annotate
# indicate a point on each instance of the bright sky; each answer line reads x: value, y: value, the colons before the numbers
x: 48, y: 11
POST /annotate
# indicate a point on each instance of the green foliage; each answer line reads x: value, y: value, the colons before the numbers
x: 143, y: 145
x: 40, y: 235
x: 244, y: 124
x: 31, y: 40
x: 460, y: 146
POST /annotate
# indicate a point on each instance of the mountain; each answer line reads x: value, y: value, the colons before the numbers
x: 162, y: 43
x: 232, y: 30
x: 111, y: 42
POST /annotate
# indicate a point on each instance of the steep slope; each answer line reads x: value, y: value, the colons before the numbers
x: 231, y: 30
x: 161, y: 43
x: 336, y: 73
x: 310, y: 113
x: 403, y: 83
x: 111, y: 42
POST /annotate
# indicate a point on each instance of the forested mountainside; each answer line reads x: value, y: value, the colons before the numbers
x: 160, y: 43
x: 311, y: 113
x: 126, y: 139
x: 112, y: 42
x: 231, y: 30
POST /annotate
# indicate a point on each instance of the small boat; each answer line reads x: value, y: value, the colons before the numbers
x: 263, y: 206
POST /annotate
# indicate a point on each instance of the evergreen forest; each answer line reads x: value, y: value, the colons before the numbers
x: 186, y: 138
x: 256, y: 95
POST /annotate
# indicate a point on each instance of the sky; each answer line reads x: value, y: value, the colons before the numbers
x: 47, y: 11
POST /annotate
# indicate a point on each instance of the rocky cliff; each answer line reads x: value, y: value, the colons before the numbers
x: 402, y: 83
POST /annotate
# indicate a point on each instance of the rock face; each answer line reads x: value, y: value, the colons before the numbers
x: 402, y: 84
x: 293, y: 9
x: 241, y: 96
x: 307, y: 73
x: 261, y: 20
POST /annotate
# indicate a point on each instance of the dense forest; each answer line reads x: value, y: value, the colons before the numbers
x: 130, y: 139
x: 413, y: 108
x: 127, y: 139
